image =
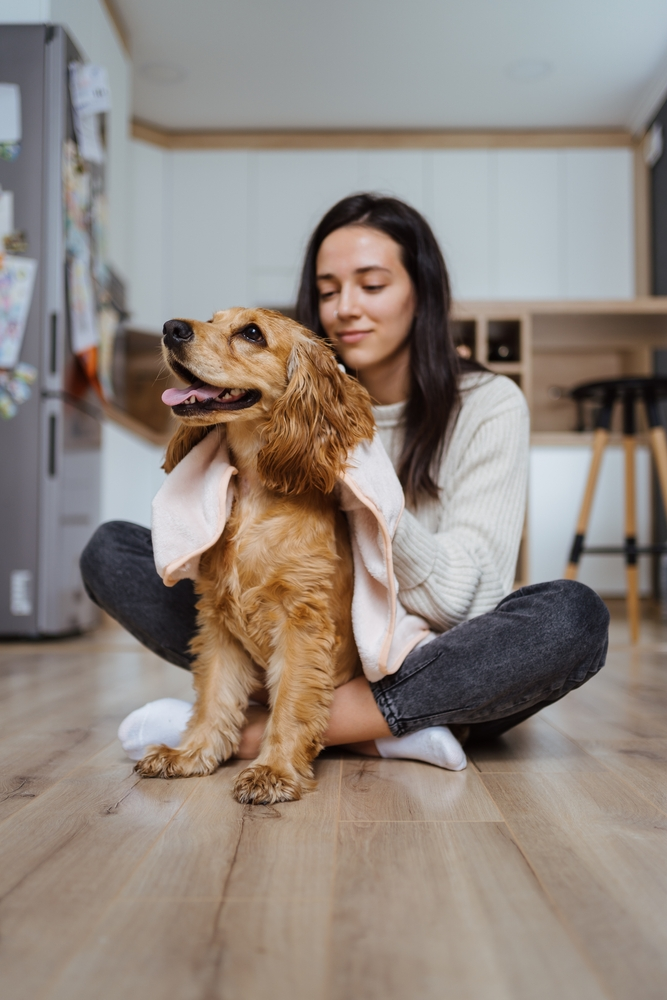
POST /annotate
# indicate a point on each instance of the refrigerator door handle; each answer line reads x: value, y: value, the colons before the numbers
x: 53, y: 439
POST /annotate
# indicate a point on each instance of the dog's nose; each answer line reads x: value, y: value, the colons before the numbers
x: 176, y: 332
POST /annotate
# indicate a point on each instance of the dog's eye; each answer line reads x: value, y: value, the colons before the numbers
x: 253, y: 334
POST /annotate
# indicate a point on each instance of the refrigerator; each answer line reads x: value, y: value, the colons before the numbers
x: 50, y: 450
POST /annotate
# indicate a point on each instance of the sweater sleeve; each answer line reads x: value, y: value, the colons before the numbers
x: 468, y: 566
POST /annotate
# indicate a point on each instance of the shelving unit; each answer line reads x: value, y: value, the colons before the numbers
x: 553, y: 346
x: 497, y: 334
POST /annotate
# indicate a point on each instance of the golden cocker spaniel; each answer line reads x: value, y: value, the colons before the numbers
x: 275, y: 591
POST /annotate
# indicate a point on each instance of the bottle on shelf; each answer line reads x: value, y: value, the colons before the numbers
x: 504, y: 340
x: 463, y: 332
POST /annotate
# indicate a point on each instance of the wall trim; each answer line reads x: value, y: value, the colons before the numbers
x: 388, y: 139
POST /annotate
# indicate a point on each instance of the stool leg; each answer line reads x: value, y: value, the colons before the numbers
x: 658, y: 441
x: 658, y: 444
x: 631, y: 568
x: 600, y: 439
x: 659, y: 449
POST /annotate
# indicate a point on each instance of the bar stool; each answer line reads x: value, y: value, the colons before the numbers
x: 606, y: 394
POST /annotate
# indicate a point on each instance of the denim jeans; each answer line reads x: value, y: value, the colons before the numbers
x: 489, y: 673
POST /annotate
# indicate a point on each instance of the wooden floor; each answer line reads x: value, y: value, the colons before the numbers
x: 539, y: 872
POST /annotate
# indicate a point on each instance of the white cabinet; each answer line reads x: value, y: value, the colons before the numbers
x: 525, y: 211
x: 598, y: 223
x: 396, y: 172
x: 461, y: 216
x: 556, y: 488
x: 535, y: 224
x: 288, y: 193
x: 211, y: 229
x: 207, y: 233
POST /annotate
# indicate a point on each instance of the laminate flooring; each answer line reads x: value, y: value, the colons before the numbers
x: 539, y: 872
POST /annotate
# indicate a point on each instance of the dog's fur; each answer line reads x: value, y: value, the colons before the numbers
x: 275, y: 592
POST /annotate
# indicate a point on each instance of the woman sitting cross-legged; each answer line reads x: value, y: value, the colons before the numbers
x: 374, y: 283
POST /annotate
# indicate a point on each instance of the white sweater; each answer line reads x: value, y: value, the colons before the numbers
x: 455, y: 557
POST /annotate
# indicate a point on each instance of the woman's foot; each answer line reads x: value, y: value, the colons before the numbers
x: 251, y: 736
x: 161, y: 721
x: 435, y: 745
x: 165, y: 720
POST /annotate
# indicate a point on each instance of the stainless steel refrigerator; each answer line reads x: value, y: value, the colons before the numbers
x: 50, y: 450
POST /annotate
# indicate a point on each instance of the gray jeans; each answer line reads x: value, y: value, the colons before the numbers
x: 489, y: 673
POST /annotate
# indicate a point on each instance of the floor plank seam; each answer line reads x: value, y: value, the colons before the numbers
x: 271, y: 897
x: 43, y: 861
x: 440, y: 822
x: 54, y: 786
x: 328, y: 974
x: 560, y: 916
x: 81, y: 944
x: 618, y: 775
x: 215, y: 948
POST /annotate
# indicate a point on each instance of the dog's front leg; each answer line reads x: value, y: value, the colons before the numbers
x: 300, y: 680
x: 223, y: 678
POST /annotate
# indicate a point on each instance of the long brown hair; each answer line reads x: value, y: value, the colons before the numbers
x: 435, y: 366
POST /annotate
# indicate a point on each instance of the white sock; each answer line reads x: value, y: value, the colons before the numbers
x: 435, y: 745
x: 162, y: 721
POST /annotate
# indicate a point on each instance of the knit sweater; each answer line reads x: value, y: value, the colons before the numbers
x: 455, y: 557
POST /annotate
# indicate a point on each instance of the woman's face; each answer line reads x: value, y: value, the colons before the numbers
x: 367, y: 300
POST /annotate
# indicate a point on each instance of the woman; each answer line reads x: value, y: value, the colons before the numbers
x: 375, y: 284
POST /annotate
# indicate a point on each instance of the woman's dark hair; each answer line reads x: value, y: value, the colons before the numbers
x: 435, y: 366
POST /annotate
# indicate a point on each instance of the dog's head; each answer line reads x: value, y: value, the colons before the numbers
x: 255, y: 364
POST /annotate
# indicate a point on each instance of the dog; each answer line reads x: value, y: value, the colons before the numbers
x: 275, y: 591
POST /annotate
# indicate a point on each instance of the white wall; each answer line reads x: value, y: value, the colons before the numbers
x: 512, y: 223
x: 131, y: 475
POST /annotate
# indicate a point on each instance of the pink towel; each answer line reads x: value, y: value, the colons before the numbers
x: 192, y: 506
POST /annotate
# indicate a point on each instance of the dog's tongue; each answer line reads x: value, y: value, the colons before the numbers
x: 200, y: 390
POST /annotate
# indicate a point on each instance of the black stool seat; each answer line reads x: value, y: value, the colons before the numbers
x: 638, y: 385
x: 648, y: 389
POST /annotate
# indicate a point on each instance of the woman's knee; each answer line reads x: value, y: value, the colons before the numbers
x: 571, y: 617
x: 579, y: 631
x: 107, y: 552
x: 582, y: 610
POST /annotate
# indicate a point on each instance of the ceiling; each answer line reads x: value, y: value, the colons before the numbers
x: 404, y: 64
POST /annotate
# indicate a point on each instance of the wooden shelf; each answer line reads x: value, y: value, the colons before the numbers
x: 565, y: 343
x: 506, y: 367
x: 579, y: 439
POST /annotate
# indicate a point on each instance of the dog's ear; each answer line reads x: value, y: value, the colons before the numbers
x: 322, y: 415
x: 183, y: 441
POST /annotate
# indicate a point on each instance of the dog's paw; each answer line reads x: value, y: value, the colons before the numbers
x: 264, y: 785
x: 169, y: 762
